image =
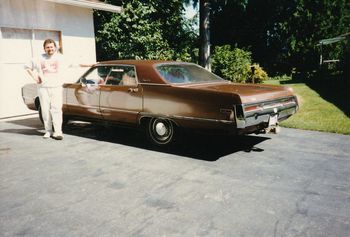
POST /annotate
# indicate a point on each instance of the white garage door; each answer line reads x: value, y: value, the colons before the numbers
x: 17, y: 47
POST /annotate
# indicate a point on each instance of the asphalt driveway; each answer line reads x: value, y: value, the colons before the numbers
x: 109, y: 182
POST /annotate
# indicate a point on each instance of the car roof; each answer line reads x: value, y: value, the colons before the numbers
x: 145, y: 69
x: 135, y: 62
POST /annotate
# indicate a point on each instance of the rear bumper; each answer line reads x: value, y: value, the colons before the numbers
x: 248, y: 115
x: 29, y: 95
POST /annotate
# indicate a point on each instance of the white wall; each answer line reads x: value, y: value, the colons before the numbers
x: 78, y: 42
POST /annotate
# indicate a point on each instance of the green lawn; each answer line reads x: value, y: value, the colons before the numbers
x: 315, y: 113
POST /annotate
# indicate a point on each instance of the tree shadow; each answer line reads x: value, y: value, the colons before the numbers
x: 23, y: 131
x: 333, y: 87
x: 28, y: 122
x: 34, y: 125
x: 334, y: 90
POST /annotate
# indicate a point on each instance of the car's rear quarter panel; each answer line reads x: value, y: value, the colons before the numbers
x: 188, y: 107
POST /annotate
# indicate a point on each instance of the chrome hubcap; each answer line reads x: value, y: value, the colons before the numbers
x: 161, y: 129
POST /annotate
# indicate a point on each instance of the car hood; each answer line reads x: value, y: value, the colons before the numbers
x: 248, y: 93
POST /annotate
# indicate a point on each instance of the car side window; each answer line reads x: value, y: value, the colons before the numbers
x: 114, y: 76
x: 95, y: 76
x: 174, y: 74
x: 122, y: 75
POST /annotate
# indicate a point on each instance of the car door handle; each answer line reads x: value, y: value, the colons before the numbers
x: 133, y: 90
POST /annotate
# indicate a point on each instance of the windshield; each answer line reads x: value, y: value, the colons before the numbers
x: 186, y: 73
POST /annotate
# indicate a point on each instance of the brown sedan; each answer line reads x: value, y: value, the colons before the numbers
x: 163, y: 96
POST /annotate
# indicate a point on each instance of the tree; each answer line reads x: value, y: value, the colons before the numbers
x: 151, y: 29
x: 281, y: 34
x: 204, y: 34
x: 206, y: 7
x: 310, y: 22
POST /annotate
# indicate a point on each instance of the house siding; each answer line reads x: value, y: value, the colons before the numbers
x: 76, y: 32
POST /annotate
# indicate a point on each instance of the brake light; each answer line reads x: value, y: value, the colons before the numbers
x: 252, y: 108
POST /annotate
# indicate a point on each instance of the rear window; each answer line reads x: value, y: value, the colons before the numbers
x: 186, y: 73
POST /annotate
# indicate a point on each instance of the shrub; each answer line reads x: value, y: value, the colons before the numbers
x: 257, y: 74
x: 231, y: 64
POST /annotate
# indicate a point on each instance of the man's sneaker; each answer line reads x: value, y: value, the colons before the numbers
x: 57, y: 136
x: 47, y: 135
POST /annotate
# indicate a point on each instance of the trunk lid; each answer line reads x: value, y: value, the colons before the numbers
x: 248, y: 93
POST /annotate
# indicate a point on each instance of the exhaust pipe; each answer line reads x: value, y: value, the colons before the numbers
x: 275, y: 129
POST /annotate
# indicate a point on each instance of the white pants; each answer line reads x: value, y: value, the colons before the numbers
x: 51, y: 100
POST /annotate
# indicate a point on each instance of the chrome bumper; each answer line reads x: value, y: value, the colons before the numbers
x: 259, y: 113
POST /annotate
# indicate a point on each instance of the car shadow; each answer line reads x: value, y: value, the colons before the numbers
x: 202, y: 147
x: 196, y: 146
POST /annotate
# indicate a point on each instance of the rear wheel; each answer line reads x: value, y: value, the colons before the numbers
x: 161, y: 132
x: 40, y: 115
x: 65, y: 122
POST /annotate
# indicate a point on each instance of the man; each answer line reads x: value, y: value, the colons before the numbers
x: 47, y: 71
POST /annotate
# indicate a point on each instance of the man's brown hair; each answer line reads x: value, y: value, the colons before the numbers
x: 49, y: 41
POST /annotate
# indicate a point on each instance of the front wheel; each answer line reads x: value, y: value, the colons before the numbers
x: 161, y: 132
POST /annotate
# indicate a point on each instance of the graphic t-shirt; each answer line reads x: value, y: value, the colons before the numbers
x: 50, y: 69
